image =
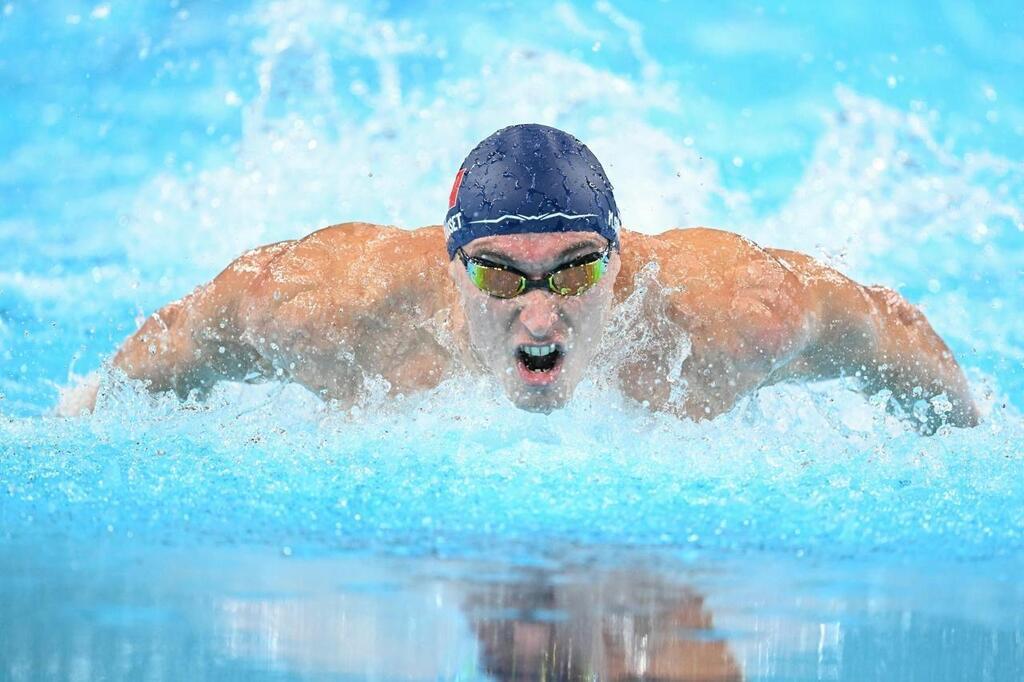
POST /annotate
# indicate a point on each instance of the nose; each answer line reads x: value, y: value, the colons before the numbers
x: 538, y: 313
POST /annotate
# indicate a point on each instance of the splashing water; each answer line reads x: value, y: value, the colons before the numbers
x: 309, y: 113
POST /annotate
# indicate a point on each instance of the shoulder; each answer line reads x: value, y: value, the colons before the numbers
x: 704, y: 260
x: 352, y: 265
x: 726, y: 288
x: 345, y: 246
x: 351, y: 253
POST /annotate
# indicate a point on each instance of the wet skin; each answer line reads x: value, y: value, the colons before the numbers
x: 499, y: 328
x: 355, y: 302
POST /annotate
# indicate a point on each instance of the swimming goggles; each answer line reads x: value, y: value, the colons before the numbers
x: 568, y: 279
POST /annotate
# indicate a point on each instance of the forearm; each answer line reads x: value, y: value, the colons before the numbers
x: 156, y: 354
x: 188, y: 345
x: 874, y: 334
x: 163, y: 353
x: 909, y: 359
x: 192, y: 343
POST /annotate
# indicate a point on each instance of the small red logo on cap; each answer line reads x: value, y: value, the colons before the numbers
x: 455, y: 187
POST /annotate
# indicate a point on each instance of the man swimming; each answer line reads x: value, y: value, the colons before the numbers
x: 520, y: 282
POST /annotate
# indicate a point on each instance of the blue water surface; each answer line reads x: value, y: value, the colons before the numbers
x: 264, y: 535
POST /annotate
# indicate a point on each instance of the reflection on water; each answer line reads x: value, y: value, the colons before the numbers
x: 616, y: 626
x: 113, y: 612
x: 361, y: 617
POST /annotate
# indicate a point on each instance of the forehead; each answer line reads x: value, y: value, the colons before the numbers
x: 535, y: 247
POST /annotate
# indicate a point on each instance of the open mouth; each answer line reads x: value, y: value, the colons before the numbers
x: 538, y: 364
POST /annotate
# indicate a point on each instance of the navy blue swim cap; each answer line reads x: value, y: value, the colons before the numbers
x: 530, y: 178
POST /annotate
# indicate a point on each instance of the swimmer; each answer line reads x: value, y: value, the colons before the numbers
x: 520, y: 282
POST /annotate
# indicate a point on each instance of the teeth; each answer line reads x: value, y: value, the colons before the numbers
x: 539, y: 351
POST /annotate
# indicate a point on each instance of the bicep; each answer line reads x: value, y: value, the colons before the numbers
x: 839, y: 332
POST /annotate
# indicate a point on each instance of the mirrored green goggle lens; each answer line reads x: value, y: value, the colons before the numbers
x: 495, y: 281
x: 575, y: 280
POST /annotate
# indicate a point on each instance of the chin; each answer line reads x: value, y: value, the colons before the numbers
x: 544, y: 402
x: 538, y: 407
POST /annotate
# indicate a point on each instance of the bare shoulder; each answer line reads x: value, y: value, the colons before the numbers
x: 741, y: 311
x: 340, y: 249
x: 354, y: 263
x: 344, y: 303
x: 723, y: 280
x: 366, y: 288
x: 704, y: 255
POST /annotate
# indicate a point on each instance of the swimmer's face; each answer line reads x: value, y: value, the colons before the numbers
x: 538, y: 344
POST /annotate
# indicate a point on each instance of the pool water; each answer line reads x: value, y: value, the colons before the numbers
x: 807, y: 535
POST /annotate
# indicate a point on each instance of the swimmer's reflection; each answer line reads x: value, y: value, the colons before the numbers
x: 540, y: 626
x: 618, y: 627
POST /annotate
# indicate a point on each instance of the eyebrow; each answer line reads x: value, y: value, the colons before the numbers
x: 502, y: 259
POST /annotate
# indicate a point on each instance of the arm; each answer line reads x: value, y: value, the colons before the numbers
x: 751, y: 317
x: 179, y: 347
x: 346, y: 304
x: 876, y: 335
